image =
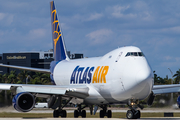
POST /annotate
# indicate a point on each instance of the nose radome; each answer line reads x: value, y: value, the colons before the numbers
x: 143, y: 75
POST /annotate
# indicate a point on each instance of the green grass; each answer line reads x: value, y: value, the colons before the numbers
x: 71, y: 115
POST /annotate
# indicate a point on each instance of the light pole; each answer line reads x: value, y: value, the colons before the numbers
x: 27, y: 78
x: 171, y: 101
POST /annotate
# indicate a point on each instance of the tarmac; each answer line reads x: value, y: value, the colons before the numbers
x: 10, y: 109
x: 86, y: 118
x: 70, y: 110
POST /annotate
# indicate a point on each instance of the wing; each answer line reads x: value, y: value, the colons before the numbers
x: 27, y: 68
x: 68, y: 91
x: 25, y: 94
x: 162, y: 89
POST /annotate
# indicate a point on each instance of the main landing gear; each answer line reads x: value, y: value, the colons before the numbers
x: 105, y: 112
x: 133, y: 113
x: 58, y: 104
x: 80, y: 112
x: 58, y: 113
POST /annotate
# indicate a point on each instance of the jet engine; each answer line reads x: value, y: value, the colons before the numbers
x: 23, y: 102
x: 178, y: 101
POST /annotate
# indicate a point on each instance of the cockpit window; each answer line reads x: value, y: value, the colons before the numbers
x: 134, y: 54
x: 140, y: 54
x: 128, y: 54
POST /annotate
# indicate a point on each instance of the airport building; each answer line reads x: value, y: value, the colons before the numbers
x: 39, y: 59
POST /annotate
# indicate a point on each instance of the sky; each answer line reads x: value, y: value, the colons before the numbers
x: 95, y: 27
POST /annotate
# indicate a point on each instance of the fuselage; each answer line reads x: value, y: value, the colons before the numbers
x: 118, y: 76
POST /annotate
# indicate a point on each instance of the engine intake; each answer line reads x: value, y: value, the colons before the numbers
x: 178, y: 101
x: 23, y: 102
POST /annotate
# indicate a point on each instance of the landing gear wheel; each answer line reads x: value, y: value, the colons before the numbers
x: 76, y: 114
x: 138, y: 114
x: 56, y: 114
x: 64, y: 114
x: 130, y: 114
x: 101, y: 113
x: 83, y: 114
x: 109, y: 114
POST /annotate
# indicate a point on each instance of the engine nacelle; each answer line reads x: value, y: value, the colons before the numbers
x: 23, y: 102
x: 178, y: 101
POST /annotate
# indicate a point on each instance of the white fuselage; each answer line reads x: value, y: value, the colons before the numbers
x: 112, y: 78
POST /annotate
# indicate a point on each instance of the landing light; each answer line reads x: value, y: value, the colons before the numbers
x: 132, y: 103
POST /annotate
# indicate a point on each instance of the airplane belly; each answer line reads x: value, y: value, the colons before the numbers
x: 94, y: 96
x: 123, y: 93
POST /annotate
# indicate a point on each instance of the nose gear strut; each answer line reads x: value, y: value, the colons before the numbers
x: 134, y: 113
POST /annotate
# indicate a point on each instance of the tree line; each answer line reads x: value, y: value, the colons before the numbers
x: 164, y: 81
x: 25, y: 77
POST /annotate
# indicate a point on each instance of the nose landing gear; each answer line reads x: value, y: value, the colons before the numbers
x: 134, y: 113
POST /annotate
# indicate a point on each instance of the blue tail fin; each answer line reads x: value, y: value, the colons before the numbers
x: 58, y: 42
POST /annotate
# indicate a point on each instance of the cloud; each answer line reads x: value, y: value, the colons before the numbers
x: 1, y: 33
x: 2, y: 15
x: 124, y: 39
x: 172, y: 30
x: 99, y: 36
x: 64, y: 26
x: 14, y: 5
x: 37, y: 33
x: 94, y: 16
x: 146, y: 15
x: 87, y: 17
x: 171, y: 62
x: 159, y: 42
x: 168, y: 58
x: 6, y: 19
x: 119, y: 12
x: 136, y: 11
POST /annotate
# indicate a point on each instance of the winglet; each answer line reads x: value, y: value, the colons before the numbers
x: 58, y: 42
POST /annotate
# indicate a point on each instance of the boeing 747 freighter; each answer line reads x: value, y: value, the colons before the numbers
x: 122, y: 76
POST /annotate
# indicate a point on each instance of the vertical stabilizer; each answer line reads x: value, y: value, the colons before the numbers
x: 58, y: 42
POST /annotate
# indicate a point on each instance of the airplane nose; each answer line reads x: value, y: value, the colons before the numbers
x: 144, y: 80
x: 143, y: 75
